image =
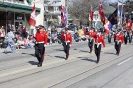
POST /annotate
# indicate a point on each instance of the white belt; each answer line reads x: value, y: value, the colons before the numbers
x: 98, y: 44
x: 67, y: 42
x: 39, y: 42
x: 118, y: 41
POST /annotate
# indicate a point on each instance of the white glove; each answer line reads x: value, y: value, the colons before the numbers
x: 45, y: 45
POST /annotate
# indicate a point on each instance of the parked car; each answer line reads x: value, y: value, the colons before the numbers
x: 72, y: 26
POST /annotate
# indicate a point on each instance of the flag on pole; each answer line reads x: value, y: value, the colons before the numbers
x: 120, y: 12
x: 32, y: 20
x: 63, y: 16
x: 91, y: 14
x: 102, y: 16
x: 113, y: 17
x: 110, y: 27
x: 119, y: 17
x: 107, y: 24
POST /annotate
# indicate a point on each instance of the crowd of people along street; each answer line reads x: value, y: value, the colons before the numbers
x: 15, y: 38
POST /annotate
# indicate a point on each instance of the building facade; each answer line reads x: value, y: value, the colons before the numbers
x: 17, y: 12
x: 52, y: 13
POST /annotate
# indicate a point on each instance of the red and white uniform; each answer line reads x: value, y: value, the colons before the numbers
x: 100, y: 39
x: 119, y: 37
x: 67, y: 37
x: 129, y: 25
x: 91, y: 34
x: 41, y: 37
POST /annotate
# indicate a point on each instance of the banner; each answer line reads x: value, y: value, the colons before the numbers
x: 113, y: 17
x: 32, y: 20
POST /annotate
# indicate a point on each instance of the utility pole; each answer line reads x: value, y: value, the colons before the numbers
x: 66, y: 6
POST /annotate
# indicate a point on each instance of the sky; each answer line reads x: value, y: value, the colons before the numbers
x: 116, y: 0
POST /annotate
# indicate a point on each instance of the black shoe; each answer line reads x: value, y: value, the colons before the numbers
x: 117, y: 54
x: 90, y: 51
x: 66, y: 57
x: 5, y: 52
x: 98, y: 60
x: 39, y: 64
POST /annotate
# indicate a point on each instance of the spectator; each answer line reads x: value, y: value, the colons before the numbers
x: 25, y: 32
x: 11, y: 37
x: 27, y: 43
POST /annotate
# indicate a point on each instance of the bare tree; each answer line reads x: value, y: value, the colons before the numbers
x: 81, y: 8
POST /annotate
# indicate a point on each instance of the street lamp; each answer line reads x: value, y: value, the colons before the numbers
x: 66, y: 5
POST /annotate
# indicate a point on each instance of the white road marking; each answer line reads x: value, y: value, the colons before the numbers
x: 124, y: 61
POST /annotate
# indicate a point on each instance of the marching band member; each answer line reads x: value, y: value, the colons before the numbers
x: 99, y: 41
x: 41, y: 42
x: 92, y: 36
x: 67, y: 37
x: 119, y: 40
x: 128, y: 32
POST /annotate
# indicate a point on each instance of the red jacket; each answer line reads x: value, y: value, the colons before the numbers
x: 91, y: 34
x: 67, y: 37
x: 119, y: 37
x: 41, y: 37
x: 100, y: 39
x: 129, y: 25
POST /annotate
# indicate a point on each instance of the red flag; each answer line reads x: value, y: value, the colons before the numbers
x: 91, y: 13
x: 102, y: 16
x: 63, y: 16
x: 32, y: 20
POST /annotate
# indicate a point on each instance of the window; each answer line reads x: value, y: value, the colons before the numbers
x: 50, y: 8
x: 56, y: 8
x: 46, y: 8
x: 21, y: 0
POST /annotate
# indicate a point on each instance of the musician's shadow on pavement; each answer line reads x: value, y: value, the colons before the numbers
x: 28, y: 54
x: 110, y: 53
x: 60, y: 57
x: 87, y: 59
x: 33, y: 62
x: 59, y: 49
x: 84, y: 51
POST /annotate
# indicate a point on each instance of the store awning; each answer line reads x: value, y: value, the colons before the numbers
x: 16, y: 7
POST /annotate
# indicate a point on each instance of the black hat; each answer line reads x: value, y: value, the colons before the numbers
x: 119, y: 30
x: 40, y: 26
x: 66, y: 29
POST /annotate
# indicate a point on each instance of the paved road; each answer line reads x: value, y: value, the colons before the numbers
x: 20, y: 70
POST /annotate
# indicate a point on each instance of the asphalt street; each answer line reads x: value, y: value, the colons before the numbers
x: 19, y: 70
